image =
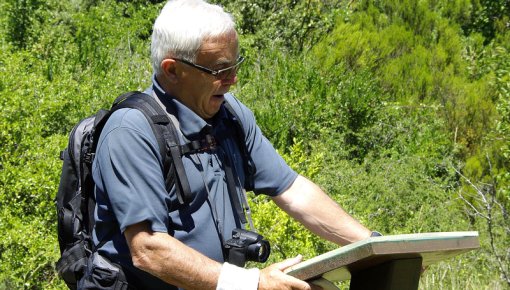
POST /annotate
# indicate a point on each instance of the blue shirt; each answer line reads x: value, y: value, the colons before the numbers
x: 130, y: 186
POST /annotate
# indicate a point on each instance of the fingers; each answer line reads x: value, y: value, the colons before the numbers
x: 273, y: 276
x: 288, y: 263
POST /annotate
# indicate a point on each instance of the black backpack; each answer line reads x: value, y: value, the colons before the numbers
x: 75, y: 197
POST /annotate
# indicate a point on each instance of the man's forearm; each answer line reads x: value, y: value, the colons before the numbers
x: 308, y: 204
x: 170, y: 260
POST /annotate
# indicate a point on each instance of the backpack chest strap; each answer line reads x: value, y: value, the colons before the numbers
x: 208, y: 143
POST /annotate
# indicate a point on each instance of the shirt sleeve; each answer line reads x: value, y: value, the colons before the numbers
x: 273, y: 176
x: 129, y: 170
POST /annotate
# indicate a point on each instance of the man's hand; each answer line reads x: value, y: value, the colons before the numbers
x: 273, y: 277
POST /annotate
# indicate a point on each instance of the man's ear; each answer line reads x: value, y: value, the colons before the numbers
x: 168, y: 69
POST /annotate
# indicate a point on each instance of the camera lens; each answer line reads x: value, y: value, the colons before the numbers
x: 258, y: 252
x: 264, y: 252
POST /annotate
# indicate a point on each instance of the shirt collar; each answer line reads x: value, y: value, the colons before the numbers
x: 192, y: 126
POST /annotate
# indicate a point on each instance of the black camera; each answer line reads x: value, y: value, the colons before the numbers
x: 246, y: 246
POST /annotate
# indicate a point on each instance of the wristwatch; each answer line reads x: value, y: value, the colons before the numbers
x: 375, y: 234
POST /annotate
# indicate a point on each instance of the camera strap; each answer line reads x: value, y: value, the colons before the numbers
x: 239, y: 206
x: 247, y: 209
x: 232, y: 191
x: 214, y: 212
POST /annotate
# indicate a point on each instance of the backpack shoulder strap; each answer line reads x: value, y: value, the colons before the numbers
x: 168, y: 140
x: 249, y: 165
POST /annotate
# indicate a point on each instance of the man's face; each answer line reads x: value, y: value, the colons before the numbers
x: 201, y: 91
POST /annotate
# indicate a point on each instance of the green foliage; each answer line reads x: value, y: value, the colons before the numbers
x: 490, y: 17
x: 45, y: 90
x: 296, y: 98
x: 488, y: 210
x: 277, y: 226
x: 417, y: 56
x: 23, y: 17
x: 28, y: 249
x: 28, y: 252
x: 496, y: 64
x: 292, y: 24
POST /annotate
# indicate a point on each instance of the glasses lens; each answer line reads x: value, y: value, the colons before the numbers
x: 231, y: 71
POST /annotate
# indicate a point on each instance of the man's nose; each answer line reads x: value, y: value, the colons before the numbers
x: 230, y: 80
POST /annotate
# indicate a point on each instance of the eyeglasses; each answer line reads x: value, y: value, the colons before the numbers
x: 220, y: 74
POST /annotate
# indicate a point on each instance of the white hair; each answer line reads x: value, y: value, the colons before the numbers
x: 183, y: 25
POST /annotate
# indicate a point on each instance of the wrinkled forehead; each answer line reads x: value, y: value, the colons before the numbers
x: 228, y: 39
x: 223, y: 49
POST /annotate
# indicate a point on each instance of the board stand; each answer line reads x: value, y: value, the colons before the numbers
x: 392, y: 262
x: 403, y: 274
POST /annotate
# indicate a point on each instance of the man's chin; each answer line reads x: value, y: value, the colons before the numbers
x: 214, y: 105
x: 217, y: 100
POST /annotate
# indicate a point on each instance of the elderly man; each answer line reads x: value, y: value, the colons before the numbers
x: 159, y: 243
